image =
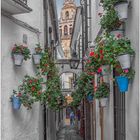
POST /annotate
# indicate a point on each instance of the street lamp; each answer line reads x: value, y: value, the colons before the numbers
x: 74, y: 62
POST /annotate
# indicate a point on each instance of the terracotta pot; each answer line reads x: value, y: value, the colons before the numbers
x: 18, y: 59
x: 122, y: 10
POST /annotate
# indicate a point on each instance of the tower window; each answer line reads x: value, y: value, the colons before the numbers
x: 67, y: 15
x: 65, y: 30
x: 70, y: 30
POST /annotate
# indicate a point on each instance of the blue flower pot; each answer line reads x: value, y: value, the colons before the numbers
x: 122, y: 83
x: 90, y: 98
x: 16, y: 103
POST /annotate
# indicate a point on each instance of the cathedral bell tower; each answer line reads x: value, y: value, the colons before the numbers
x: 66, y: 25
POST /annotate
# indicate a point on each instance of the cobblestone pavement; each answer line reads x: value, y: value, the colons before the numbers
x: 68, y: 133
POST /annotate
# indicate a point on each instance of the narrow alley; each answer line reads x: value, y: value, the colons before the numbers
x: 70, y: 69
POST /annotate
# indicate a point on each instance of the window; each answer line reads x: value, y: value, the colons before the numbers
x: 70, y: 30
x: 65, y: 30
x: 67, y: 15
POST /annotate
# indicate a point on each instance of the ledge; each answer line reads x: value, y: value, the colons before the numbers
x: 15, y: 7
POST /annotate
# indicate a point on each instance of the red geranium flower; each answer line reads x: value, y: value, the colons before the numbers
x: 101, y: 51
x: 91, y: 54
x: 30, y: 81
x: 19, y: 95
x: 88, y: 61
x: 33, y: 88
x: 99, y: 70
x: 119, y: 35
x: 39, y: 93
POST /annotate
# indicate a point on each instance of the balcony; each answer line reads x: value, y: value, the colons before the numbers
x: 15, y: 6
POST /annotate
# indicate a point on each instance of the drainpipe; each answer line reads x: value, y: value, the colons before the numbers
x: 45, y: 3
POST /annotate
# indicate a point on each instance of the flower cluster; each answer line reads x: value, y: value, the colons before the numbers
x: 20, y: 49
x: 29, y: 91
x: 38, y: 49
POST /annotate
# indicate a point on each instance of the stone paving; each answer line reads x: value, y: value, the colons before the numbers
x: 68, y: 133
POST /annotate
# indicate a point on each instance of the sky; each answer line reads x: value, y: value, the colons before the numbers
x: 60, y: 4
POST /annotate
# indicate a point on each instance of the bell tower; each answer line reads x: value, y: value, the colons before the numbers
x: 66, y: 22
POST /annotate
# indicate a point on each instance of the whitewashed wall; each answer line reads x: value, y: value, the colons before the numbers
x: 132, y: 102
x: 23, y: 124
x: 132, y: 108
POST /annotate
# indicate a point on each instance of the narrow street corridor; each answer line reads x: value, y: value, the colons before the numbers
x: 67, y: 132
x: 70, y: 70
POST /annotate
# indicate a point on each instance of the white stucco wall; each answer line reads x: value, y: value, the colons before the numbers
x: 132, y: 102
x: 131, y: 31
x: 23, y: 124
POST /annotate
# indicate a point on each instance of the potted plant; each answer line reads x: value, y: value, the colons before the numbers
x: 16, y: 102
x: 20, y: 53
x: 121, y: 7
x: 117, y: 33
x: 123, y: 78
x: 93, y: 63
x: 110, y: 20
x: 123, y: 52
x: 37, y: 55
x: 90, y: 97
x: 47, y: 65
x: 28, y: 92
x: 102, y: 94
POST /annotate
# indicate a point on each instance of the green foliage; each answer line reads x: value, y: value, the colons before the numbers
x: 84, y: 86
x: 29, y: 91
x: 102, y: 91
x: 107, y: 4
x: 122, y: 46
x: 38, y: 49
x: 110, y: 20
x: 20, y: 49
x: 93, y: 63
x: 129, y: 73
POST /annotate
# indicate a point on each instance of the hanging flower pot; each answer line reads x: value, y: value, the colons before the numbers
x: 124, y: 61
x: 122, y: 82
x: 122, y: 10
x: 20, y: 53
x: 36, y: 58
x: 16, y: 103
x: 90, y: 97
x: 105, y: 69
x: 106, y: 79
x: 103, y: 102
x: 18, y: 59
x: 117, y: 33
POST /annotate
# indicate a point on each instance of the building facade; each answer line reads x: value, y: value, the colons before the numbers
x: 28, y: 23
x: 119, y: 120
x: 66, y: 25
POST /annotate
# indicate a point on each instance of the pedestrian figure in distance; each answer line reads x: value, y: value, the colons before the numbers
x: 72, y: 118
